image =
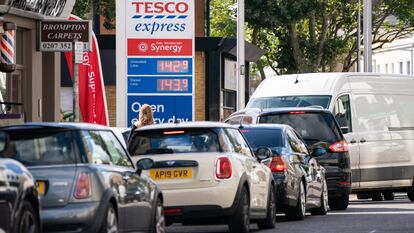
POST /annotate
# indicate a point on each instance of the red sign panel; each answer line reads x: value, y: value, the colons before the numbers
x: 160, y: 47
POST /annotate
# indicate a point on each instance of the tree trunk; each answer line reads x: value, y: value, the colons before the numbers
x: 255, y: 35
x: 296, y: 51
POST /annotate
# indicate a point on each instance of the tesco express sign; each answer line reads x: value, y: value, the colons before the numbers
x: 160, y: 7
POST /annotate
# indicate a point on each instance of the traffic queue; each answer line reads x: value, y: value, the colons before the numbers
x: 287, y: 154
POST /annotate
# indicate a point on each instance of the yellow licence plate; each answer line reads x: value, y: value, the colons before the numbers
x: 41, y: 187
x: 164, y: 174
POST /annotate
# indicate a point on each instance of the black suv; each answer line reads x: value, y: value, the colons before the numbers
x: 318, y: 128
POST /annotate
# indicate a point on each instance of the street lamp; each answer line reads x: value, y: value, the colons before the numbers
x: 241, y: 69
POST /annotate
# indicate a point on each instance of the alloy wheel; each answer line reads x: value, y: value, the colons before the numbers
x: 28, y: 223
x: 302, y: 199
x: 246, y: 214
x: 325, y: 196
x: 111, y: 221
x: 159, y: 219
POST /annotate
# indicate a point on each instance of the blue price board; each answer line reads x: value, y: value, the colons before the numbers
x: 167, y: 109
x: 175, y: 84
x: 160, y: 66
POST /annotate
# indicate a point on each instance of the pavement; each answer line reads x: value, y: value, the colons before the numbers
x: 362, y: 216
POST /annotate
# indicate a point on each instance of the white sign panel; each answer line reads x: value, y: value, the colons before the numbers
x: 155, y: 59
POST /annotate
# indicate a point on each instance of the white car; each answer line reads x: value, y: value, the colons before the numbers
x: 122, y: 134
x: 207, y: 173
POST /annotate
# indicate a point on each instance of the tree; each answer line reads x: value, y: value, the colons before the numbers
x: 317, y: 35
x: 223, y: 18
x: 106, y: 8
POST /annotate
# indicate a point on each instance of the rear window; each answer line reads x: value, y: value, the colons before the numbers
x: 271, y: 138
x: 37, y: 148
x: 289, y: 101
x: 173, y: 141
x: 313, y: 127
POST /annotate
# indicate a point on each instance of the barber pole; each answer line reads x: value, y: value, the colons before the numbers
x: 7, y: 48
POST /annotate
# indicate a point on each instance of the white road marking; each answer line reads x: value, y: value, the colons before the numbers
x: 371, y: 213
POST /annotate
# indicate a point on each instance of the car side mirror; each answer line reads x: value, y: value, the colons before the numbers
x: 263, y: 153
x: 318, y: 151
x: 144, y: 164
x: 4, y: 140
x: 345, y: 129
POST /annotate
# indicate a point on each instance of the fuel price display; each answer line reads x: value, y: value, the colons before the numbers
x: 172, y: 66
x: 175, y: 85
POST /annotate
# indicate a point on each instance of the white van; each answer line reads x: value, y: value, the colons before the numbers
x: 376, y: 115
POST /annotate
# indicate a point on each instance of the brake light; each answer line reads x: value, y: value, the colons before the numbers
x: 223, y: 168
x: 244, y: 131
x: 296, y: 112
x: 173, y: 132
x: 278, y: 164
x: 83, y: 186
x: 338, y: 147
x: 172, y: 211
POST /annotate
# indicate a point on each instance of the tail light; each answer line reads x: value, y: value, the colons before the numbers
x: 83, y: 186
x: 278, y: 164
x: 223, y: 168
x: 338, y: 147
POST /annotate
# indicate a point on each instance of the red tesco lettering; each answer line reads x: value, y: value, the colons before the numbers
x: 160, y: 7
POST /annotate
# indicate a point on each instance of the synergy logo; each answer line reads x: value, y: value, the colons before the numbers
x: 160, y: 16
x: 142, y: 47
x: 159, y: 47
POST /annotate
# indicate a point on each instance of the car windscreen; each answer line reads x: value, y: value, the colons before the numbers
x: 289, y: 101
x: 313, y: 127
x: 173, y: 141
x: 40, y: 147
x: 259, y: 137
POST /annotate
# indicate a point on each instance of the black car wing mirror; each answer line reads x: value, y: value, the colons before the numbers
x: 263, y: 153
x: 144, y: 164
x: 4, y: 139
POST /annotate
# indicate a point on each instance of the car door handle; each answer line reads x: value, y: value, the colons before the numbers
x: 353, y: 141
x: 362, y: 140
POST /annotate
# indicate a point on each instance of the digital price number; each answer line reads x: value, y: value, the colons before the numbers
x: 172, y: 66
x: 172, y: 84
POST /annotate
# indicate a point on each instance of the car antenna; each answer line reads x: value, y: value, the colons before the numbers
x: 297, y: 78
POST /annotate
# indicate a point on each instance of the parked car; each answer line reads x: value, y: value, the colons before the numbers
x: 208, y: 174
x: 300, y: 179
x: 19, y: 203
x: 375, y: 113
x: 86, y: 179
x: 318, y: 128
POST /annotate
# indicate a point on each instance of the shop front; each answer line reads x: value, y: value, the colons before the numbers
x: 31, y: 91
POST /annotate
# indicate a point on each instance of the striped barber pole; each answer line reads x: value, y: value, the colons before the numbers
x: 7, y: 47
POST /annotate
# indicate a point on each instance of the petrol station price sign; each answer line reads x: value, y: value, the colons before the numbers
x: 155, y: 59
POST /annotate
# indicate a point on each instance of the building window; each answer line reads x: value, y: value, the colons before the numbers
x: 392, y: 68
x: 386, y: 68
x: 408, y: 67
x: 401, y: 67
x: 378, y: 68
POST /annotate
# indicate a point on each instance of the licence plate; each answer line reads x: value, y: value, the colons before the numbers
x: 164, y: 174
x: 41, y: 187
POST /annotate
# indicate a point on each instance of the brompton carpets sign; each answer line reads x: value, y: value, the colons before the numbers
x: 57, y: 36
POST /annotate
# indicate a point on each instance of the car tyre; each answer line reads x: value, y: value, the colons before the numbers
x: 110, y: 223
x: 340, y: 203
x: 299, y: 211
x: 410, y: 193
x: 270, y: 221
x: 388, y: 195
x: 377, y: 196
x: 239, y: 222
x: 323, y: 209
x: 28, y: 220
x: 158, y: 225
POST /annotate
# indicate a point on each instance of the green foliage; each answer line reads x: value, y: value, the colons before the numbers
x: 319, y: 35
x: 223, y: 18
x: 105, y: 8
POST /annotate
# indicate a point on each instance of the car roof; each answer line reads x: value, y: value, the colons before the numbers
x: 265, y: 126
x: 56, y: 125
x: 193, y: 124
x: 269, y: 111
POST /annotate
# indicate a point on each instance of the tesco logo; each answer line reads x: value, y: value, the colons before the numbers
x: 161, y: 7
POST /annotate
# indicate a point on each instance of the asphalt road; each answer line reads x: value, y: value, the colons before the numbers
x: 361, y: 217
